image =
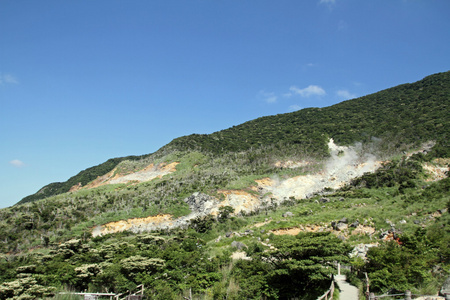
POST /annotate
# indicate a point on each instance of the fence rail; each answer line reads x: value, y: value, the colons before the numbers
x: 408, y: 296
x: 137, y: 294
x: 329, y: 293
x: 90, y: 296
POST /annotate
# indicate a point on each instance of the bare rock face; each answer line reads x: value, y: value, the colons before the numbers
x: 200, y: 203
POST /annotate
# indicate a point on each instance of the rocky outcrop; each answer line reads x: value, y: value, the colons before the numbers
x: 201, y: 204
x: 361, y: 250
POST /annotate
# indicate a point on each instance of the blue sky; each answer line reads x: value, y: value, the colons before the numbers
x: 85, y: 81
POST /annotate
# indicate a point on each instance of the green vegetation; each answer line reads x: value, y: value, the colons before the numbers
x: 47, y: 244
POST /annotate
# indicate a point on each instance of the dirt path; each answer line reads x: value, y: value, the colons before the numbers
x: 347, y: 291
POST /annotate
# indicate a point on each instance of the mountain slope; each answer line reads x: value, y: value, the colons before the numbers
x: 415, y: 112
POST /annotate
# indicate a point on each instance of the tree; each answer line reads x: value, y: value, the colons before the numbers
x: 224, y: 213
x: 303, y: 264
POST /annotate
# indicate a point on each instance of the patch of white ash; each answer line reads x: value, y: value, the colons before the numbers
x: 345, y: 164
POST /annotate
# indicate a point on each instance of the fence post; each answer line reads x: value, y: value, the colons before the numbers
x: 367, y: 287
x: 407, y: 295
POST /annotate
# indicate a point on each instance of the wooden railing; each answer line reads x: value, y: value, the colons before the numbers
x: 407, y: 295
x: 139, y: 291
x: 329, y: 293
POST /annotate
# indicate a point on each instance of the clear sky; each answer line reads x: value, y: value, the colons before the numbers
x: 84, y: 81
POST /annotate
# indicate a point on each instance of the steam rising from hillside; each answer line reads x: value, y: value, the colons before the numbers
x: 345, y: 164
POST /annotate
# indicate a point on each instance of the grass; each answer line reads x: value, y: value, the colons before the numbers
x: 244, y: 182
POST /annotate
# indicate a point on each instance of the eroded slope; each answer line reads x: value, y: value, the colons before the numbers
x: 344, y: 164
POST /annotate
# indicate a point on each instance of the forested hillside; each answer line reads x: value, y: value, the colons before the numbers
x: 263, y: 210
x: 415, y: 112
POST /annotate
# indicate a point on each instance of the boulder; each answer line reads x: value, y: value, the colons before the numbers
x: 354, y: 224
x: 324, y: 200
x: 344, y: 220
x: 238, y: 245
x: 341, y: 226
x: 383, y: 234
x: 442, y: 210
x: 341, y: 237
x: 333, y: 225
x: 288, y: 214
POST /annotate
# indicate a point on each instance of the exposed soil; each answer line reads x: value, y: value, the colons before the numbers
x: 345, y: 164
x: 132, y: 224
x: 148, y: 173
x: 240, y: 200
x: 438, y: 169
